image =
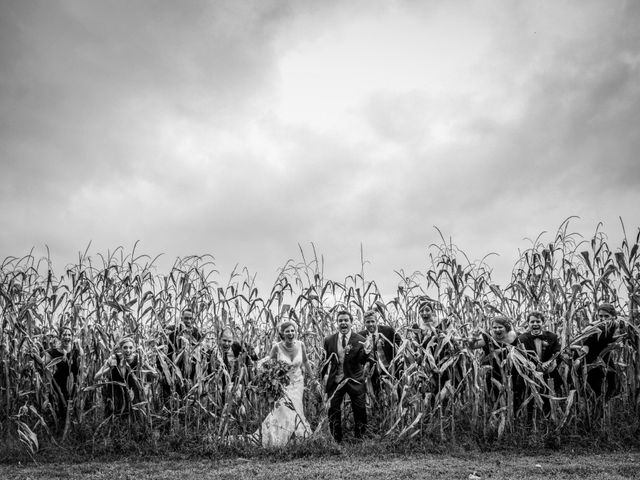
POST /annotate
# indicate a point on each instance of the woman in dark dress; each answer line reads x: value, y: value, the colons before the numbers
x: 495, y: 349
x: 126, y: 373
x: 66, y: 362
x: 431, y: 346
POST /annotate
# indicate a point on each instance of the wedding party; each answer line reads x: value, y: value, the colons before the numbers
x: 275, y: 239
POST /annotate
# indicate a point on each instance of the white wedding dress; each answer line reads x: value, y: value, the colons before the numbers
x: 287, y: 419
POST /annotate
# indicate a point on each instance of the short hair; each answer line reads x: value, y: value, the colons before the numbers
x: 608, y: 308
x: 345, y: 312
x: 536, y: 314
x: 227, y: 329
x: 124, y: 340
x: 504, y: 321
x: 371, y: 313
x: 67, y: 327
x: 425, y: 302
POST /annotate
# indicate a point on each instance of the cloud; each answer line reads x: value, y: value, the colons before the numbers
x: 245, y: 129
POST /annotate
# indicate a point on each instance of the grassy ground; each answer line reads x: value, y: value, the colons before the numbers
x: 493, y: 466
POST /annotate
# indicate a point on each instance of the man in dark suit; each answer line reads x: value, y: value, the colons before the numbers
x: 233, y: 355
x: 229, y: 361
x: 182, y: 357
x: 543, y: 349
x: 385, y: 341
x: 345, y: 354
x: 601, y: 338
x: 542, y: 346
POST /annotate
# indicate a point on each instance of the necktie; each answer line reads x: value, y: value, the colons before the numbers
x: 344, y: 341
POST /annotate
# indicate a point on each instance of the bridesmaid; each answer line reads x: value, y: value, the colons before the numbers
x: 495, y: 349
x: 126, y: 372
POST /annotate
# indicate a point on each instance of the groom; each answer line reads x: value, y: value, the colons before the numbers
x: 345, y: 353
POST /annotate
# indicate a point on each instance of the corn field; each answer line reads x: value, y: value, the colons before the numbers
x: 105, y: 297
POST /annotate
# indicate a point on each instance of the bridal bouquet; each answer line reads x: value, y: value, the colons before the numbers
x: 272, y: 379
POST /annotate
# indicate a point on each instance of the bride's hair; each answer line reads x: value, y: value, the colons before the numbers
x: 283, y: 326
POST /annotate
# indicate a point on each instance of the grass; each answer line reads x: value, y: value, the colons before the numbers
x: 348, y: 465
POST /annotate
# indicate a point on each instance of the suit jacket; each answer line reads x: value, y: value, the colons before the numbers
x: 602, y: 336
x: 243, y: 354
x: 391, y: 340
x: 176, y: 343
x: 550, y: 345
x: 354, y: 359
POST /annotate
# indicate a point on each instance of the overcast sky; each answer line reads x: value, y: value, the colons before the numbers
x: 244, y: 128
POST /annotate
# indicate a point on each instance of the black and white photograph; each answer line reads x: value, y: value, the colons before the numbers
x: 359, y: 239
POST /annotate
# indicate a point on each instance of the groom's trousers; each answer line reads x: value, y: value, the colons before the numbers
x: 358, y: 396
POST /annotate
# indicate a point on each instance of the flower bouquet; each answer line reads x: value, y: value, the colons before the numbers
x: 272, y: 379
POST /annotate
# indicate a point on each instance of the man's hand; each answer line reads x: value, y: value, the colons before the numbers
x: 368, y: 344
x: 113, y: 361
x: 548, y: 366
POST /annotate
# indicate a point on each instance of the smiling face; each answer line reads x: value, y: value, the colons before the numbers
x: 226, y: 340
x: 289, y: 333
x: 66, y: 337
x: 535, y: 324
x: 127, y: 349
x: 371, y: 323
x: 426, y: 313
x: 187, y: 319
x: 344, y: 323
x: 498, y: 330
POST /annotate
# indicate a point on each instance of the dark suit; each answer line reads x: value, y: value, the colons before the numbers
x: 176, y: 364
x: 550, y: 345
x: 65, y: 378
x: 226, y: 371
x: 389, y: 340
x: 549, y: 350
x: 243, y: 356
x: 352, y: 383
x: 600, y: 343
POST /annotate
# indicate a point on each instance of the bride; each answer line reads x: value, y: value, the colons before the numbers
x: 287, y: 419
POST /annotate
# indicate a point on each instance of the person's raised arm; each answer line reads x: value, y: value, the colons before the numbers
x: 147, y: 369
x: 111, y: 362
x: 367, y: 350
x: 475, y: 341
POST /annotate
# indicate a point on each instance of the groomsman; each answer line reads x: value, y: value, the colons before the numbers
x: 233, y: 355
x: 543, y: 348
x: 182, y: 350
x: 597, y: 348
x: 345, y: 353
x: 542, y: 345
x: 385, y: 342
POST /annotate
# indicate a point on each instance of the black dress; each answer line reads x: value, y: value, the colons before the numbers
x: 64, y: 381
x: 124, y: 388
x: 435, y: 349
